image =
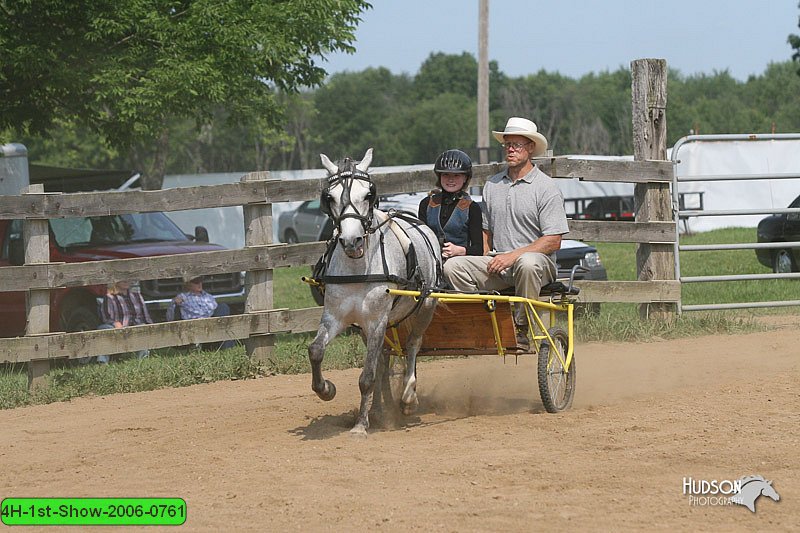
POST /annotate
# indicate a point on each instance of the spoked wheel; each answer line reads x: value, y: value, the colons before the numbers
x: 556, y: 387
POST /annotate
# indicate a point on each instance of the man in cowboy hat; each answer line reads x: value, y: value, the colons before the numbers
x: 523, y: 221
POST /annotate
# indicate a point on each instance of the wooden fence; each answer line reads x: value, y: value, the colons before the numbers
x: 260, y: 321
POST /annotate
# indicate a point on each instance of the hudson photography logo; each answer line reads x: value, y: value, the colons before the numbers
x: 744, y: 491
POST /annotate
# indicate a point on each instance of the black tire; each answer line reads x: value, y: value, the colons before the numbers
x: 782, y: 262
x: 80, y: 318
x: 556, y: 387
x: 290, y: 237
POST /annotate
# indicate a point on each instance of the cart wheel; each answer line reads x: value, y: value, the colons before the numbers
x: 556, y: 387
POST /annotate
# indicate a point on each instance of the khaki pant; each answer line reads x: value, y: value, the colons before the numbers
x: 530, y: 272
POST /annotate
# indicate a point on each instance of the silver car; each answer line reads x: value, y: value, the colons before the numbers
x: 305, y: 224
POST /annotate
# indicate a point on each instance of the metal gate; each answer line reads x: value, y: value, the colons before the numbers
x: 681, y: 213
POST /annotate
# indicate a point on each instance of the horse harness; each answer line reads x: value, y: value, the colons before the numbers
x: 413, y: 279
x: 345, y: 178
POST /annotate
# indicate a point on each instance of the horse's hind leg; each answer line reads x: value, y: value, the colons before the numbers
x: 409, y: 400
x: 329, y: 327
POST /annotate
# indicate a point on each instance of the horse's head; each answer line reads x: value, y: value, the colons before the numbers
x: 769, y: 491
x: 349, y: 199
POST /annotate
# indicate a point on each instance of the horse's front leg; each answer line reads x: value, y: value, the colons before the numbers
x: 409, y: 401
x: 329, y: 327
x: 366, y: 383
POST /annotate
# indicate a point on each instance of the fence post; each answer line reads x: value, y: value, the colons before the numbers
x: 36, y: 239
x: 652, y: 200
x: 258, y: 283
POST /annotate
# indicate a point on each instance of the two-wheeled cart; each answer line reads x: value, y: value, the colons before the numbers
x: 483, y: 324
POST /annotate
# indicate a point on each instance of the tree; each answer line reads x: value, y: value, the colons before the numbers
x: 352, y: 111
x: 447, y: 73
x: 125, y: 69
x: 432, y: 126
x: 794, y: 40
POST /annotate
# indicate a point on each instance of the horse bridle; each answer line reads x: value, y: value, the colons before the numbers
x: 346, y: 178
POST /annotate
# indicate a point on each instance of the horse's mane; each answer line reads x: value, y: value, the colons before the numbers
x: 749, y: 479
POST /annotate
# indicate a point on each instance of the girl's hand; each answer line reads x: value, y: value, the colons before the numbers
x: 451, y: 250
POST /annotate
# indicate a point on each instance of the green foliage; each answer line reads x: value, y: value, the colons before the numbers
x: 171, y: 368
x: 125, y: 69
x: 794, y: 42
x: 445, y: 121
x: 621, y: 323
x: 447, y: 73
x: 407, y: 119
x: 620, y: 262
x: 353, y: 109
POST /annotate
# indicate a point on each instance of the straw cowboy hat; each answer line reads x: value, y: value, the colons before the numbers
x: 526, y: 128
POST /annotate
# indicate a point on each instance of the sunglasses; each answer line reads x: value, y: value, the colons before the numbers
x: 515, y: 146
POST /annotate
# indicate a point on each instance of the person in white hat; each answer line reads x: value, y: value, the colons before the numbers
x: 523, y: 221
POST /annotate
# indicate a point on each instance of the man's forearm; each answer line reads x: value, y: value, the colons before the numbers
x: 546, y: 244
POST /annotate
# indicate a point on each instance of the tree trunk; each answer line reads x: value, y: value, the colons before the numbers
x: 153, y: 177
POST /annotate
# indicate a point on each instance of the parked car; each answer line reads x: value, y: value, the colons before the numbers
x: 605, y: 208
x: 80, y: 239
x: 305, y: 224
x: 780, y: 228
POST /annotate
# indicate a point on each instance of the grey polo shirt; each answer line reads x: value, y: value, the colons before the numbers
x: 517, y: 213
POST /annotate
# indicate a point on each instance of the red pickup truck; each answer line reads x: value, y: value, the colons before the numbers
x: 74, y: 240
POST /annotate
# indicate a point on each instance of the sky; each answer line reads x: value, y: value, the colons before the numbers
x: 578, y: 37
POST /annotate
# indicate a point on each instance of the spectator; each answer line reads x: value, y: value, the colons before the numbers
x: 195, y: 302
x: 123, y: 307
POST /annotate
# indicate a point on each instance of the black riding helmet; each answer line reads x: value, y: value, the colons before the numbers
x: 453, y: 162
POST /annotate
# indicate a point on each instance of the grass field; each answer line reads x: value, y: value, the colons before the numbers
x: 616, y: 322
x: 620, y: 261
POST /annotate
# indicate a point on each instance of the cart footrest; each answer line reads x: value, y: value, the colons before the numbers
x: 552, y: 288
x: 557, y: 287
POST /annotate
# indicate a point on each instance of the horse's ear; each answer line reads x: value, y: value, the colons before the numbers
x: 329, y: 165
x: 363, y: 166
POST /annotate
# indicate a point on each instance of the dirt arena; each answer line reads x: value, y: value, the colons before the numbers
x: 481, y: 455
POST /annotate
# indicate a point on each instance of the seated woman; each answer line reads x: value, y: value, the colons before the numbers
x: 123, y: 307
x: 195, y: 302
x: 449, y: 210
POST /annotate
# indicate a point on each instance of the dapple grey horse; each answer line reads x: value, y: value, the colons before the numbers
x: 369, y: 256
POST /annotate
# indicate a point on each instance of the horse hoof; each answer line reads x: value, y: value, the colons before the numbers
x: 328, y: 391
x: 359, y: 432
x: 411, y: 407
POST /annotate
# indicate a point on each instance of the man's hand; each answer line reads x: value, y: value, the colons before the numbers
x: 502, y: 262
x: 178, y: 300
